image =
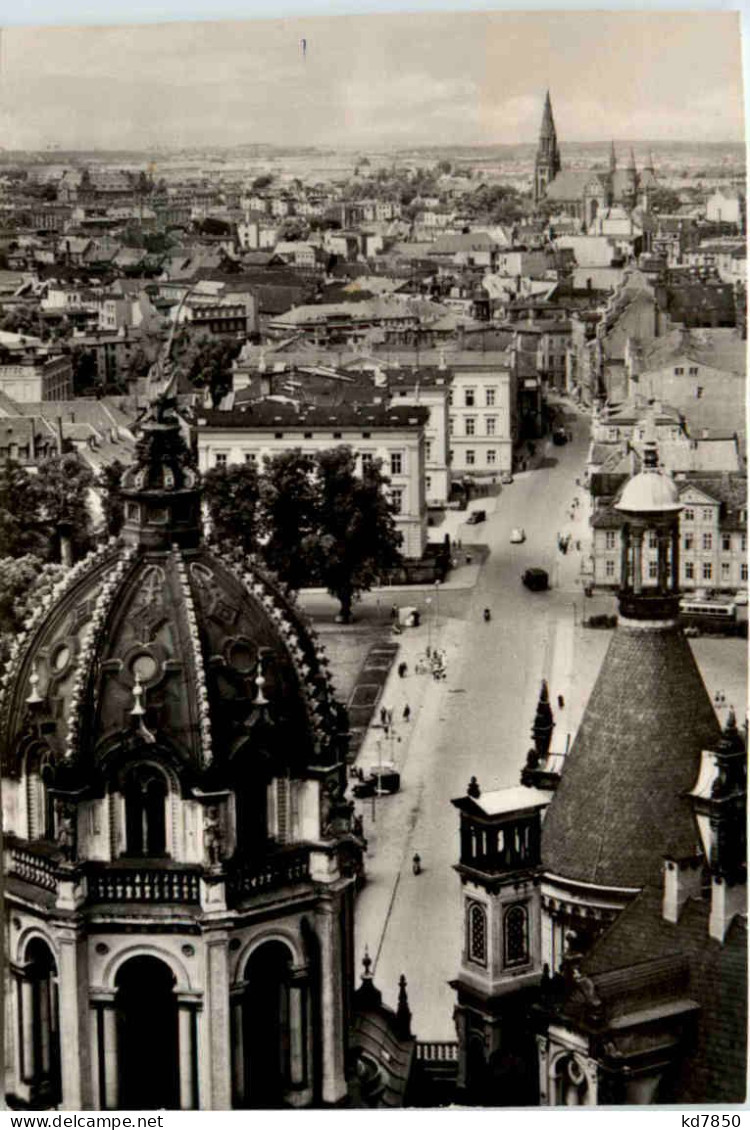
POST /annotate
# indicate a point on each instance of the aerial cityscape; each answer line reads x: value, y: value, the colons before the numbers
x: 373, y: 563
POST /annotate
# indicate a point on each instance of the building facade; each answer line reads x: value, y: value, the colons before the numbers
x: 179, y: 859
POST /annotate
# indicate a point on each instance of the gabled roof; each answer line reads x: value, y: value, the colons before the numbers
x: 570, y: 184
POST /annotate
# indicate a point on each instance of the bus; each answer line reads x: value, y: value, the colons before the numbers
x: 709, y: 615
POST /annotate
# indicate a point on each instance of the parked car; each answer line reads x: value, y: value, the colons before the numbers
x: 383, y: 778
x: 476, y: 517
x: 517, y: 536
x: 559, y: 436
x: 536, y: 579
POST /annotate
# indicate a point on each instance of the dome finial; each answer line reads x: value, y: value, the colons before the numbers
x: 260, y: 699
x: 367, y: 966
x: 138, y: 708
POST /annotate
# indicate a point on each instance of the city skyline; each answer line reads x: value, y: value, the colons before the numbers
x: 422, y: 79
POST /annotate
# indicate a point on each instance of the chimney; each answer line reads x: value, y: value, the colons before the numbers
x: 682, y: 881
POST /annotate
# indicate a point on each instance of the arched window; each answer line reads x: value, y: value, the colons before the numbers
x: 39, y: 1029
x: 477, y: 933
x: 268, y: 1031
x: 516, y: 935
x: 145, y: 793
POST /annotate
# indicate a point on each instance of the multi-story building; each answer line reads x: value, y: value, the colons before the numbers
x: 37, y: 376
x: 392, y: 434
x: 712, y: 536
x: 482, y: 423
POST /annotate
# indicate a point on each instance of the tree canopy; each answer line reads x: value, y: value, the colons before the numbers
x: 312, y: 518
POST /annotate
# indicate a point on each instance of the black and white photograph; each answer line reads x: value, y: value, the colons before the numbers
x: 373, y: 563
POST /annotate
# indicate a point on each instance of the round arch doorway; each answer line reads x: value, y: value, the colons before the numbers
x: 266, y: 1029
x: 147, y: 1036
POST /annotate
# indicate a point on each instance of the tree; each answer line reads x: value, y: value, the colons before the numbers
x: 206, y: 362
x: 290, y: 517
x: 63, y: 483
x: 84, y: 366
x: 23, y: 582
x: 20, y: 528
x: 357, y: 536
x: 665, y: 200
x: 232, y: 495
x: 292, y: 228
x: 263, y: 181
x: 113, y: 506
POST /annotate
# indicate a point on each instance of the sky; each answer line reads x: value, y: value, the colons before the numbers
x: 374, y: 80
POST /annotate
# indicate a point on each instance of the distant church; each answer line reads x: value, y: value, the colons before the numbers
x: 587, y: 193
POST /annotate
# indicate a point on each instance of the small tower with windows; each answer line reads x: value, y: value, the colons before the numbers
x: 501, y: 957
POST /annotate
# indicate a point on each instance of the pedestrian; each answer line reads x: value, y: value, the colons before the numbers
x: 561, y: 702
x: 383, y: 716
x: 402, y: 669
x: 394, y: 612
x: 578, y: 547
x: 407, y: 712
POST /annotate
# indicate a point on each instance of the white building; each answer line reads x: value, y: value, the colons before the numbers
x: 482, y: 420
x: 394, y: 435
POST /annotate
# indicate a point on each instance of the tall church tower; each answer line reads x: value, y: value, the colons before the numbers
x: 547, y: 164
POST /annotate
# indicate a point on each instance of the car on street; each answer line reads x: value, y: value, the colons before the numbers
x: 559, y: 436
x: 476, y: 517
x: 537, y: 580
x: 517, y: 535
x: 379, y: 779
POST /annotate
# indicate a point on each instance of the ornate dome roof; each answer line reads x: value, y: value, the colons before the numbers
x: 651, y: 491
x: 153, y: 640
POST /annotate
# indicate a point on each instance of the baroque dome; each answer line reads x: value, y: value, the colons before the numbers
x: 155, y: 641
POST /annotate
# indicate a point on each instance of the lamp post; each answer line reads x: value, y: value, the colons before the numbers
x: 437, y: 605
x: 428, y: 602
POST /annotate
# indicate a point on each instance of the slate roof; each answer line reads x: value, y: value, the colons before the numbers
x: 621, y: 804
x: 570, y: 184
x: 714, y: 1068
x: 277, y: 414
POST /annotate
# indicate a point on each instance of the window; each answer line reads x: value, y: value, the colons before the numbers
x: 688, y: 515
x: 428, y: 483
x: 470, y: 458
x: 688, y: 542
x: 743, y: 572
x: 220, y: 460
x: 708, y: 541
x: 471, y: 425
x: 708, y: 514
x: 725, y: 570
x: 396, y: 463
x: 653, y: 570
x: 693, y: 371
x: 491, y: 425
x: 450, y: 426
x: 689, y: 571
x: 145, y: 792
x: 251, y: 457
x: 366, y: 459
x: 610, y: 539
x: 469, y: 397
x: 397, y: 498
x: 477, y: 931
x: 743, y: 543
x: 491, y: 456
x: 653, y: 541
x: 699, y: 392
x: 726, y: 543
x: 679, y: 371
x: 609, y: 568
x: 489, y: 397
x: 516, y: 935
x: 428, y: 451
x: 450, y: 397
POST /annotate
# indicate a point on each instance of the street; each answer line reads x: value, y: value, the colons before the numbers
x: 476, y: 722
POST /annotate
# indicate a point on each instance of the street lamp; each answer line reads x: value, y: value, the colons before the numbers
x: 437, y: 604
x: 428, y: 602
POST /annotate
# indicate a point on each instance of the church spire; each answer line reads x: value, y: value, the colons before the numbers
x: 612, y: 158
x: 547, y: 164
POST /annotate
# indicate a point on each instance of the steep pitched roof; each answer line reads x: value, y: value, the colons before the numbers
x: 714, y: 1068
x: 621, y: 805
